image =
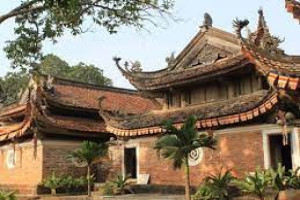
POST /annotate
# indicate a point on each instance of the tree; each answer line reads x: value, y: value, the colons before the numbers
x: 11, y: 86
x: 40, y: 20
x: 54, y: 66
x: 177, y: 144
x: 86, y: 73
x: 88, y: 153
x: 13, y: 83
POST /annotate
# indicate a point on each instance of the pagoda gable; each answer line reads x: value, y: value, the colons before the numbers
x: 207, y: 47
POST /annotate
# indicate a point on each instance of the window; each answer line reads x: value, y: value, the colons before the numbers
x: 10, y: 159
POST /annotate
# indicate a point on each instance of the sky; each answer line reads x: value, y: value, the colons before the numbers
x: 152, y: 47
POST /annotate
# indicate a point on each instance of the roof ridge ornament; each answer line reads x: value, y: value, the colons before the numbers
x: 207, y: 22
x: 170, y: 59
x: 262, y: 23
x: 261, y: 38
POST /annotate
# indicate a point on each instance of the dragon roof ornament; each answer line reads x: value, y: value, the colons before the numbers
x: 262, y: 49
x: 261, y: 38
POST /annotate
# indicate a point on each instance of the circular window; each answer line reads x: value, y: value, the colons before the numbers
x: 10, y: 159
x: 195, y: 157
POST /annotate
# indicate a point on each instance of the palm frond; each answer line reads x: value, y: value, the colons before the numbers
x: 89, y: 151
x: 177, y: 144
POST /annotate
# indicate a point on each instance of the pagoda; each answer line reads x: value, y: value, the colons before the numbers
x: 244, y: 90
x: 52, y: 118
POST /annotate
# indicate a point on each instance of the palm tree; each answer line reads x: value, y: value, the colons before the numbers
x: 177, y: 144
x: 88, y: 153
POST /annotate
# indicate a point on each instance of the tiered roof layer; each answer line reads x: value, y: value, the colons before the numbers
x: 293, y: 7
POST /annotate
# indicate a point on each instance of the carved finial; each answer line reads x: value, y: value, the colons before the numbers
x: 207, y: 22
x: 136, y: 66
x: 262, y: 24
x: 170, y: 59
x: 48, y: 84
x: 238, y: 25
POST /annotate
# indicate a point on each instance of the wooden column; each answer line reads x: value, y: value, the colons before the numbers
x: 183, y: 102
x: 231, y: 90
x: 165, y: 102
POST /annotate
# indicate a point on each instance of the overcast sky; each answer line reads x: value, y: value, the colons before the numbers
x: 151, y: 49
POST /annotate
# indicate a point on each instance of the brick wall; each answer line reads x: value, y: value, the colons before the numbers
x: 55, y: 158
x: 29, y: 171
x: 26, y: 173
x: 240, y: 152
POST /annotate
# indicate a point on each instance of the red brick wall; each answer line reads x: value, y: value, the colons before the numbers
x: 27, y: 172
x: 240, y: 152
x: 55, y: 158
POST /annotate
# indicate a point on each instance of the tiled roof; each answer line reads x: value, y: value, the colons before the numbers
x: 218, y: 113
x: 74, y: 123
x: 71, y: 95
x: 210, y: 53
x: 143, y: 81
x: 16, y: 129
x: 80, y: 95
x: 293, y: 7
x: 281, y: 70
x: 11, y: 109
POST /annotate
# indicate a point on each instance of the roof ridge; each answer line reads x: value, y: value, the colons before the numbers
x: 64, y: 81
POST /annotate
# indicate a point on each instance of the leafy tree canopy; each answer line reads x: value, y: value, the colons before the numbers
x: 40, y: 20
x: 86, y: 73
x: 13, y: 83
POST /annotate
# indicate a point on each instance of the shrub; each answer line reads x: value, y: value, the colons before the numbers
x: 66, y: 183
x: 215, y: 187
x: 53, y: 182
x: 121, y: 183
x: 73, y: 184
x: 7, y: 195
x: 279, y: 178
x: 294, y: 179
x: 204, y: 192
x: 108, y: 188
x: 255, y: 184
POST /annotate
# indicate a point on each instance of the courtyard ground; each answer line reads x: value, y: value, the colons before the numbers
x: 124, y: 197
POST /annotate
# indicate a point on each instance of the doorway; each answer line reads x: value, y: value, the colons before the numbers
x: 280, y: 153
x: 130, y: 162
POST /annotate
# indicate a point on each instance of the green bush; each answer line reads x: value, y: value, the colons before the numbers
x: 204, y: 192
x: 121, y: 183
x: 279, y: 178
x: 67, y: 183
x: 261, y: 184
x: 53, y: 182
x: 215, y: 187
x: 255, y: 184
x: 294, y: 179
x: 7, y: 195
x: 108, y: 189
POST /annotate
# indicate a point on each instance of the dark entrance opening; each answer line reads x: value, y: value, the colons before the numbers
x: 130, y: 162
x: 280, y: 153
